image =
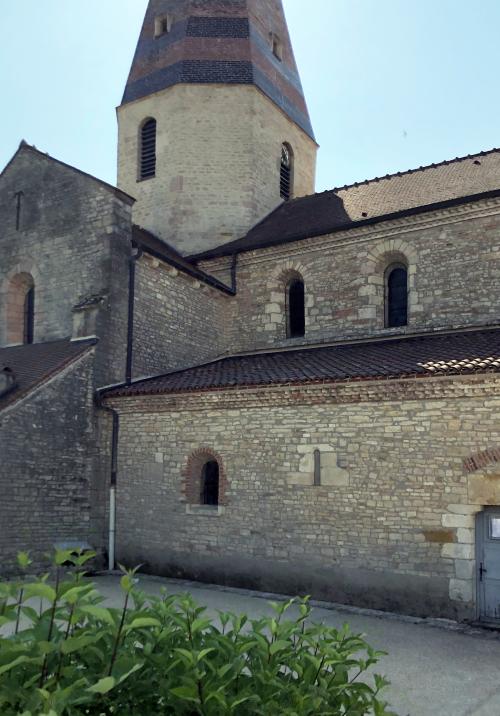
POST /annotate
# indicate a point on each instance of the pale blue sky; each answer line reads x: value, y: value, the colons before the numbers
x: 390, y: 84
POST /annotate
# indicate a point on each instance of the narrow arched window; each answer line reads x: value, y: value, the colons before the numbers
x: 295, y: 308
x: 29, y: 315
x: 20, y: 314
x: 286, y: 172
x: 210, y: 483
x: 148, y: 149
x: 396, y: 292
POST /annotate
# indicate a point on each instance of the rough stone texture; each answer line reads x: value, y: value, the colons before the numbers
x: 178, y: 321
x: 74, y: 240
x: 453, y: 262
x: 49, y: 467
x: 368, y: 540
x: 217, y: 172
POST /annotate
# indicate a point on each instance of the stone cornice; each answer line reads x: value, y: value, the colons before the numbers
x: 364, y: 391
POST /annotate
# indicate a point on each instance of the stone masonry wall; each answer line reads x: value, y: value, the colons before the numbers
x: 49, y: 471
x: 178, y: 320
x: 391, y: 526
x: 453, y: 259
x: 218, y: 162
x: 74, y: 240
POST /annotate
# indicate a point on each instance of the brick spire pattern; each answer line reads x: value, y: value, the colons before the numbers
x: 219, y: 42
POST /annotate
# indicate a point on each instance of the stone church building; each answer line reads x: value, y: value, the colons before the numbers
x: 215, y: 372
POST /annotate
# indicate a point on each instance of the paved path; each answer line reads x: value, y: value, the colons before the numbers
x: 434, y: 671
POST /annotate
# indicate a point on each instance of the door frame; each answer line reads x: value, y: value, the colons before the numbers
x: 480, y: 535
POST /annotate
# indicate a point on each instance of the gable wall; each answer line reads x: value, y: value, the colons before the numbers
x: 73, y: 238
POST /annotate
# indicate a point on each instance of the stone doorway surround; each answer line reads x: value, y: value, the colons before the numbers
x: 483, y: 490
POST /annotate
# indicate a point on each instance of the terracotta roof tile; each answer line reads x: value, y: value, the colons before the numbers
x: 419, y: 356
x: 35, y: 363
x: 450, y: 182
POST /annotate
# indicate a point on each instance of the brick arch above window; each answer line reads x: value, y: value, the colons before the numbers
x: 13, y: 290
x: 192, y: 476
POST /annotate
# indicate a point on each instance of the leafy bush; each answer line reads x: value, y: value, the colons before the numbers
x: 63, y: 652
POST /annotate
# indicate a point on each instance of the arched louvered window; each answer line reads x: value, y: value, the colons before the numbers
x: 148, y: 149
x: 396, y: 292
x: 210, y: 483
x: 286, y: 172
x: 295, y: 308
x: 29, y: 315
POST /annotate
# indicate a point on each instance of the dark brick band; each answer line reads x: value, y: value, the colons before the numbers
x: 236, y: 27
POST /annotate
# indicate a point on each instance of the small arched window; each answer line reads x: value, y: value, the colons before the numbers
x: 148, y: 149
x: 286, y: 172
x: 20, y: 309
x: 210, y: 483
x: 295, y: 308
x: 396, y: 296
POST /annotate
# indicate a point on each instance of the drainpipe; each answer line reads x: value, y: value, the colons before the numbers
x: 130, y: 321
x: 112, y: 482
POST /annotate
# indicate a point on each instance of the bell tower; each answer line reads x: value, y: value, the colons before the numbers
x: 213, y: 128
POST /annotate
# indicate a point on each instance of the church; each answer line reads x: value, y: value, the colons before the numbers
x: 219, y: 374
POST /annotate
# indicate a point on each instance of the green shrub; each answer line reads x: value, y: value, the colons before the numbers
x: 63, y: 652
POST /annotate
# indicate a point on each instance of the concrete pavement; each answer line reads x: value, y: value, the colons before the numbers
x: 435, y: 669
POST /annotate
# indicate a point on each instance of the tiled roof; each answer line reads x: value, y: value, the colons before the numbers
x: 455, y: 181
x: 419, y: 356
x: 161, y: 249
x: 35, y: 363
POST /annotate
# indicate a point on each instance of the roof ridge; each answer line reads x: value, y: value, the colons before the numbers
x: 422, y: 168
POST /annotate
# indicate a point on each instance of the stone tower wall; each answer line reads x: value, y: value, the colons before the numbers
x: 218, y: 162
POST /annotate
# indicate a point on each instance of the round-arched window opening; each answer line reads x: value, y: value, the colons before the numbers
x: 295, y: 308
x: 210, y: 483
x: 396, y: 312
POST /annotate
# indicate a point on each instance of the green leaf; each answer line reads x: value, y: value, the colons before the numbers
x: 75, y: 643
x: 203, y: 653
x: 131, y: 671
x: 20, y: 660
x: 40, y: 589
x: 100, y: 613
x: 278, y: 646
x: 141, y: 622
x: 186, y: 693
x: 23, y: 560
x: 103, y: 685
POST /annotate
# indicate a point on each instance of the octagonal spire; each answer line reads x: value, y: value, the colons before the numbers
x: 218, y: 42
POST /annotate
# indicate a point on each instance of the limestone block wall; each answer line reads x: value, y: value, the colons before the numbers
x: 178, y: 320
x: 73, y: 239
x: 391, y: 526
x: 453, y: 260
x: 218, y: 152
x: 50, y: 471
